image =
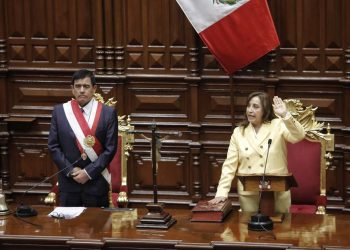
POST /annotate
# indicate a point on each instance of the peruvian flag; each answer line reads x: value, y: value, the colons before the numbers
x: 235, y: 34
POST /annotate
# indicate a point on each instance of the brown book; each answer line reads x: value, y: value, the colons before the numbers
x: 205, y: 212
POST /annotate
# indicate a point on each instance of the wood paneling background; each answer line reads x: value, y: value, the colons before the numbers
x: 146, y: 54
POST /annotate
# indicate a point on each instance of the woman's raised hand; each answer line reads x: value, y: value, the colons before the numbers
x: 279, y: 107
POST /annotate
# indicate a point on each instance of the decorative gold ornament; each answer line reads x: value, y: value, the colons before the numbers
x: 306, y: 117
x: 89, y: 141
x: 110, y: 102
x: 50, y: 199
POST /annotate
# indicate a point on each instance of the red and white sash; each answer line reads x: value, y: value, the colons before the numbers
x: 82, y: 128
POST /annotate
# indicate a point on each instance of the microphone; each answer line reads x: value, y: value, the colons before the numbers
x: 26, y: 210
x: 263, y: 184
x: 261, y: 222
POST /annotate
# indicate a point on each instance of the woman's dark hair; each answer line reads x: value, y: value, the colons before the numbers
x: 266, y: 105
x: 81, y: 74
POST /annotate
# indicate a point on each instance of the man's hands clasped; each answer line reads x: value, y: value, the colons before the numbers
x: 79, y: 175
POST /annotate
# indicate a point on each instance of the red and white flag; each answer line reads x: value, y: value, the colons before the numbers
x: 235, y: 34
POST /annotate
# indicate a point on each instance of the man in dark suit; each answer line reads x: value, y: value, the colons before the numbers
x: 82, y: 142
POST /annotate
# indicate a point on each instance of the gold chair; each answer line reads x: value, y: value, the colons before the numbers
x: 308, y: 161
x: 118, y: 187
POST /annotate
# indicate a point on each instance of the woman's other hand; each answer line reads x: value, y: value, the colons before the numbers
x: 217, y: 200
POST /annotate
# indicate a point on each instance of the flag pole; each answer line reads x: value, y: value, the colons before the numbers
x: 231, y: 81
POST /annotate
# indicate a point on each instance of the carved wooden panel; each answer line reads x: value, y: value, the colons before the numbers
x: 311, y: 40
x: 3, y: 94
x: 37, y: 96
x: 329, y: 101
x: 161, y: 47
x: 335, y: 181
x: 162, y: 101
x: 50, y: 33
x: 30, y: 163
x: 212, y: 159
x: 215, y: 103
x: 346, y: 185
x: 173, y: 173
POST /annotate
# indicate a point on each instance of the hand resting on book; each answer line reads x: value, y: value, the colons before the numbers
x: 217, y: 200
x: 207, y: 212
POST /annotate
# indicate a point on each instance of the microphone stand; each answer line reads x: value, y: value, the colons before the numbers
x: 156, y: 216
x: 26, y: 210
x: 259, y: 221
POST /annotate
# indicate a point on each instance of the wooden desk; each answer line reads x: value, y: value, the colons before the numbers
x: 99, y: 229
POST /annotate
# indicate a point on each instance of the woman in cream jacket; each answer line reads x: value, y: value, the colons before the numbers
x: 248, y: 149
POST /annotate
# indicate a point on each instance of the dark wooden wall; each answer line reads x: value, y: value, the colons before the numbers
x: 146, y: 54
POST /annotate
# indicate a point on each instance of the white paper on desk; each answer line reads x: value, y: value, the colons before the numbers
x: 67, y: 212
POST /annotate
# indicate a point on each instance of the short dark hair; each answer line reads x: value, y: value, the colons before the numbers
x: 268, y: 114
x: 81, y: 74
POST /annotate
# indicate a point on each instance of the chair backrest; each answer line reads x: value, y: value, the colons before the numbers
x: 308, y: 160
x: 304, y: 161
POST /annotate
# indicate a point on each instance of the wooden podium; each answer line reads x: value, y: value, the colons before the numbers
x: 272, y: 183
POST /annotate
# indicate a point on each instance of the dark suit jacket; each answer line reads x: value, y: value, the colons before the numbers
x: 64, y: 151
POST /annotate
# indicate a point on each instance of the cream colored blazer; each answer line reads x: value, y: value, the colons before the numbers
x: 247, y: 151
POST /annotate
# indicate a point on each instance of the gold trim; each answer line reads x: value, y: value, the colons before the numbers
x: 50, y: 199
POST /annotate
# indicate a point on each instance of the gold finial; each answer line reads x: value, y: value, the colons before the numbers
x: 110, y: 102
x: 128, y: 120
x: 328, y: 129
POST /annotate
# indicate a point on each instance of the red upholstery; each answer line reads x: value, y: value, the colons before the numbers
x: 115, y: 167
x: 54, y: 189
x: 304, y: 162
x: 303, y: 209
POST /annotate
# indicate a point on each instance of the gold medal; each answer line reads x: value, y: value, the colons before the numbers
x: 83, y: 156
x: 89, y: 141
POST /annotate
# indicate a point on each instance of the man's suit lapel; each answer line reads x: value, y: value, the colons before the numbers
x: 263, y: 134
x: 63, y: 121
x: 99, y: 129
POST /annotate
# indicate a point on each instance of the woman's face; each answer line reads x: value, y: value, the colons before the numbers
x: 254, y: 111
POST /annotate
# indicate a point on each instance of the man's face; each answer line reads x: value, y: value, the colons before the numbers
x: 83, y: 90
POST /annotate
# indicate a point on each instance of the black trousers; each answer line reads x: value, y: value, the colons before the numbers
x: 82, y: 199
